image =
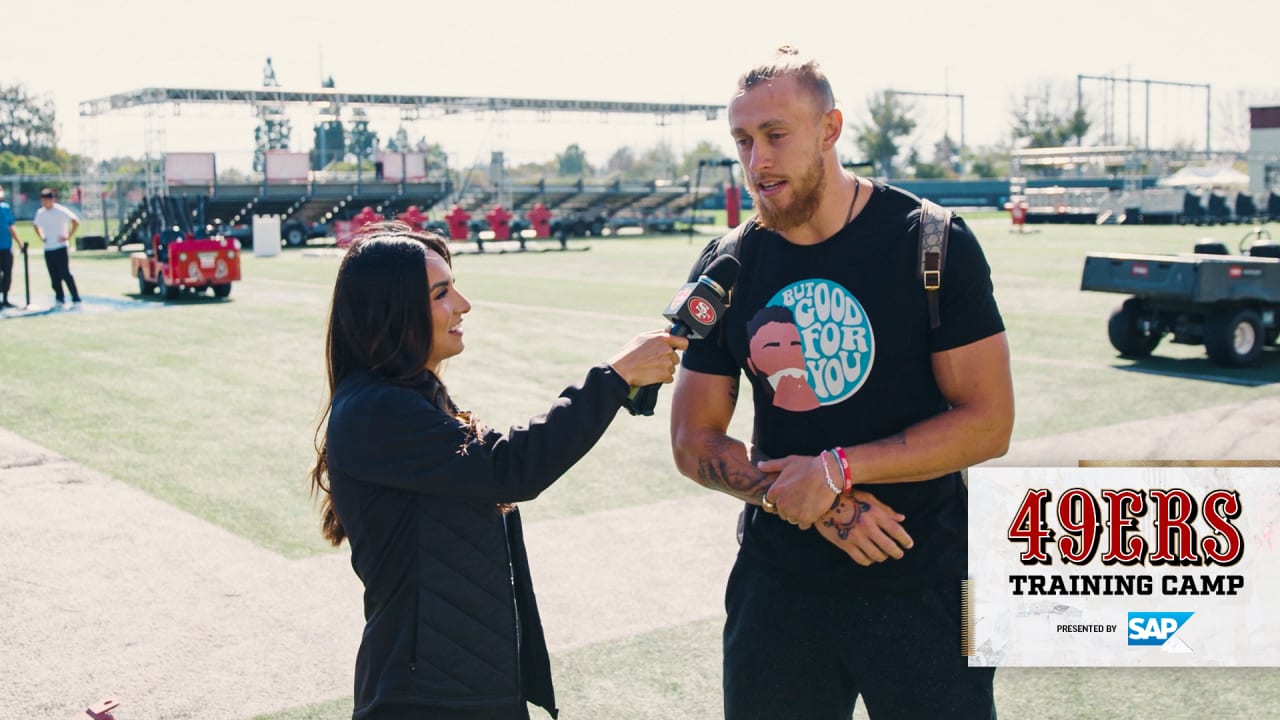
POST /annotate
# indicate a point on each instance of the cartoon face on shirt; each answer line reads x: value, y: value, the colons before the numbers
x: 775, y: 353
x: 813, y: 343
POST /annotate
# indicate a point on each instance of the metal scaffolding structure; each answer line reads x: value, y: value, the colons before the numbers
x: 449, y: 104
x: 270, y: 102
x: 1109, y: 110
x: 947, y: 96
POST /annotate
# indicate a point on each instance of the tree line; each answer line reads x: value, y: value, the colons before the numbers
x: 29, y: 138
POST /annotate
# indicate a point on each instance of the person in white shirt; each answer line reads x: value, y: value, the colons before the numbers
x: 56, y: 225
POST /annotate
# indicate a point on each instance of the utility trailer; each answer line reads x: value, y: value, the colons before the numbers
x: 1226, y: 302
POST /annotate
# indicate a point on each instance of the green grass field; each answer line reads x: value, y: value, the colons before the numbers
x: 212, y: 406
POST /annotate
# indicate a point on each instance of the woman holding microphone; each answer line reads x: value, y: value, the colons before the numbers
x: 426, y: 494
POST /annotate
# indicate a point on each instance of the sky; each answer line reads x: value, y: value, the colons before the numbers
x: 992, y: 52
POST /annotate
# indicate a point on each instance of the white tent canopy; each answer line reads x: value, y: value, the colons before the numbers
x: 1219, y: 176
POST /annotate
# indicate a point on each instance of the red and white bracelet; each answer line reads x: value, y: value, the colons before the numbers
x: 844, y: 468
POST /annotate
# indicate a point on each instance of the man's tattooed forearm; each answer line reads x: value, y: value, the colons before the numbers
x: 720, y: 469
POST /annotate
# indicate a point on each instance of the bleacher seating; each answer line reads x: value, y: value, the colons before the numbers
x: 1159, y: 206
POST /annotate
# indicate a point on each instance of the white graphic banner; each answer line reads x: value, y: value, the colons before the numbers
x: 1124, y: 566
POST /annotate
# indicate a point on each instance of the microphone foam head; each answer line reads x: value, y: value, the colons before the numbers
x: 724, y: 271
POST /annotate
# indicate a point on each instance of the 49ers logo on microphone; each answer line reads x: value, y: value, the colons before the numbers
x: 702, y: 311
x: 694, y: 310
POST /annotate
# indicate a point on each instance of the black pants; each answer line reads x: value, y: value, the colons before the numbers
x: 6, y: 272
x: 793, y: 653
x: 422, y: 712
x: 60, y: 271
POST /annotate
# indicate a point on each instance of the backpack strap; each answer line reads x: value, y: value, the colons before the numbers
x: 935, y: 225
x: 732, y: 242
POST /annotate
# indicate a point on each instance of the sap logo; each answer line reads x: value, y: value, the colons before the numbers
x: 1155, y: 628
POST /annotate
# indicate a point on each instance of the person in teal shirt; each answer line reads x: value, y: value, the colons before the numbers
x: 8, y: 239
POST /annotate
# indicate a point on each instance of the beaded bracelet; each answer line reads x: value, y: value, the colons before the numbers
x: 844, y: 467
x: 826, y: 471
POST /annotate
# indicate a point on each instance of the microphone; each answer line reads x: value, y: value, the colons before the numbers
x: 693, y: 312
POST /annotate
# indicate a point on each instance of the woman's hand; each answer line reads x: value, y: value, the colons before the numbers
x: 649, y: 358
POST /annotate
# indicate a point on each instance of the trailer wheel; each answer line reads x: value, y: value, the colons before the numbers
x: 144, y: 288
x: 295, y: 236
x: 1126, y: 333
x: 167, y: 291
x: 221, y: 291
x: 1233, y: 336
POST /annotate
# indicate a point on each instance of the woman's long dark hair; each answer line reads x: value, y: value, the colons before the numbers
x: 380, y: 322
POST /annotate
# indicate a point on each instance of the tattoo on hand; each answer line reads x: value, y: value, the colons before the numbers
x: 843, y: 528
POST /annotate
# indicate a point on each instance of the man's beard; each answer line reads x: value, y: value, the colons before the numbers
x: 807, y: 196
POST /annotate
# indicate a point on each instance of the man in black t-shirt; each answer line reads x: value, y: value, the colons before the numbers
x: 853, y: 536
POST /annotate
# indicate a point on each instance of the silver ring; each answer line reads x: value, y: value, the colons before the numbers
x: 767, y: 504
